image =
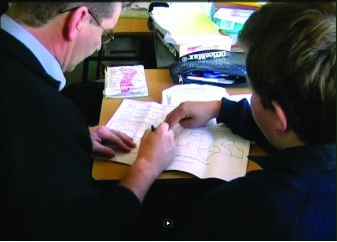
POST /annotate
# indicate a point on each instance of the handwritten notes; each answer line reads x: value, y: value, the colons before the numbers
x: 125, y: 81
x: 209, y: 151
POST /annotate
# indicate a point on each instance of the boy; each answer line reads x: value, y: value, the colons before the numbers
x: 291, y: 63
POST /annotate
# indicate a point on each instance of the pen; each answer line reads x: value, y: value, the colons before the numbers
x: 215, y: 75
x: 210, y: 74
x: 153, y: 128
x: 212, y: 80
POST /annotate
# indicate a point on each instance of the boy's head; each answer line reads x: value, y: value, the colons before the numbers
x: 291, y: 60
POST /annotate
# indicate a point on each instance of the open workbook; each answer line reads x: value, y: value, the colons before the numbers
x: 209, y: 151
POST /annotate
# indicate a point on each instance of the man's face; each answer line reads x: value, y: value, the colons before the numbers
x: 90, y: 39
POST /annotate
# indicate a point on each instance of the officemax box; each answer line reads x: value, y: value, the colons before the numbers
x: 197, y: 51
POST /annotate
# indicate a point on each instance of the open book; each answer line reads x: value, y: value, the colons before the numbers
x: 209, y: 151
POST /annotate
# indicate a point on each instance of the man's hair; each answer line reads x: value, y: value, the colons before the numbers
x: 291, y: 59
x: 36, y: 14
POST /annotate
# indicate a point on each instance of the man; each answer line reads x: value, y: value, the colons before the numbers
x: 47, y: 192
x: 291, y: 66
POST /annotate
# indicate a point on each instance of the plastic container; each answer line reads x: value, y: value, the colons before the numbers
x: 231, y: 20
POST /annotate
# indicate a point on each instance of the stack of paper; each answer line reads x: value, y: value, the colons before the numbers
x: 190, y: 31
x: 186, y: 26
x: 125, y: 81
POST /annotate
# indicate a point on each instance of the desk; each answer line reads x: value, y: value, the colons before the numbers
x: 132, y: 25
x: 157, y: 80
x: 134, y: 44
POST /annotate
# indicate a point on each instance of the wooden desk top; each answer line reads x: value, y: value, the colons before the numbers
x: 157, y: 80
x: 132, y: 25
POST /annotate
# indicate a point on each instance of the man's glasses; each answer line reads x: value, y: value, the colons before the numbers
x: 106, y: 36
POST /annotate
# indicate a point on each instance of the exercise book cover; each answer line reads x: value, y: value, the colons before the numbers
x: 125, y: 81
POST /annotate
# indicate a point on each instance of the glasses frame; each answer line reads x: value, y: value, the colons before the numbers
x: 106, y: 36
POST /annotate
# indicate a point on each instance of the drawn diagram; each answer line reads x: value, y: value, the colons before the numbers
x: 197, y: 150
x: 195, y: 145
x: 213, y: 143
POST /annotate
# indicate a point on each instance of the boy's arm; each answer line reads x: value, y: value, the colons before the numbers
x: 238, y: 117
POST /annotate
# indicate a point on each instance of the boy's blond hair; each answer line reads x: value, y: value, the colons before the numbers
x: 292, y: 60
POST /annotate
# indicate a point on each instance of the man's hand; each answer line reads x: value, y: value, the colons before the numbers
x: 106, y: 142
x: 156, y: 152
x: 157, y: 148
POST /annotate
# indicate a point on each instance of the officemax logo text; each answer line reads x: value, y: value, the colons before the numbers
x: 204, y: 55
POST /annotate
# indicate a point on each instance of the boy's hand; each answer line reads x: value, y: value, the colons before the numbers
x: 193, y: 114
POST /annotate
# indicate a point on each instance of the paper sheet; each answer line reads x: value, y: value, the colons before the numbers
x: 197, y: 92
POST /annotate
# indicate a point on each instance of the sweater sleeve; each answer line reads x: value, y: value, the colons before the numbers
x: 118, y: 216
x: 238, y: 117
x: 53, y: 196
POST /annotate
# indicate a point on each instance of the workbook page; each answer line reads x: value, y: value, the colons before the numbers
x: 210, y: 151
x: 133, y: 118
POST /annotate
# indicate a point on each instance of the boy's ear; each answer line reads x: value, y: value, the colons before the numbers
x: 281, y: 117
x: 74, y: 22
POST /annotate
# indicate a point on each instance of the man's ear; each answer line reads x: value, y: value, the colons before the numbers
x: 74, y: 22
x: 281, y: 117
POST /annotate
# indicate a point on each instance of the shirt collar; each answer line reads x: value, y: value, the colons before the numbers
x: 302, y: 158
x: 47, y: 60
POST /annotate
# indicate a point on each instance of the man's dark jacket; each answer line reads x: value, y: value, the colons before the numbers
x: 47, y: 192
